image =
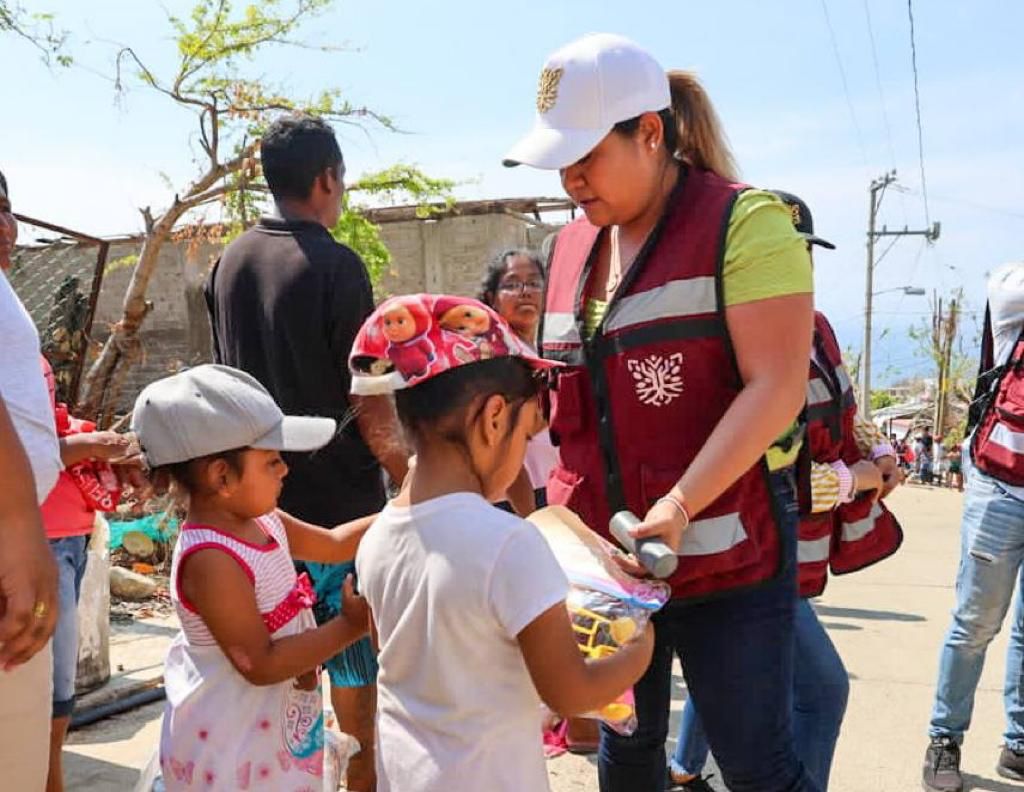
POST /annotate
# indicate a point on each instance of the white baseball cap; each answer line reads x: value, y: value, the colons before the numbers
x: 210, y: 409
x: 585, y: 89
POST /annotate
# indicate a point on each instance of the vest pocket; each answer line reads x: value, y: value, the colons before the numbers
x: 568, y: 411
x: 712, y: 544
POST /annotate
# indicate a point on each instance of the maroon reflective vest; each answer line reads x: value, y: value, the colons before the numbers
x: 856, y: 534
x: 638, y: 400
x: 997, y: 446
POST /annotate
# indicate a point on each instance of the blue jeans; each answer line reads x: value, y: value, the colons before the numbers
x: 821, y: 688
x: 991, y: 552
x: 70, y: 555
x: 737, y: 657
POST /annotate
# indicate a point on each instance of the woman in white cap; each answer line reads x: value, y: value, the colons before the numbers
x: 681, y: 304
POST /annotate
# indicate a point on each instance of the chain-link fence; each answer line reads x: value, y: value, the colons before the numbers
x: 57, y: 274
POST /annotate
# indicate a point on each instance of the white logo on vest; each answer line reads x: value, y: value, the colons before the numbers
x: 658, y: 379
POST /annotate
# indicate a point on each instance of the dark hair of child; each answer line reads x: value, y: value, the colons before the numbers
x: 182, y: 478
x: 439, y: 405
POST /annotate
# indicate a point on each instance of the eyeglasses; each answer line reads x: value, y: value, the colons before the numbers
x: 518, y: 287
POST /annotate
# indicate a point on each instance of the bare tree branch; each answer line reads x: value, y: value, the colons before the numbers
x: 194, y: 201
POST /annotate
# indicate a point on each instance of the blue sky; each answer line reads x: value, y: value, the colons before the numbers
x: 460, y: 77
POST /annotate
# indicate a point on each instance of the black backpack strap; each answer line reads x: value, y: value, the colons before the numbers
x: 989, y: 374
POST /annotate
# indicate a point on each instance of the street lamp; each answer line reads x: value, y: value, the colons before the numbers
x: 909, y: 291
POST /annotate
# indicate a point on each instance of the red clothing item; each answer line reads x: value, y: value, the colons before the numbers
x: 70, y: 508
x: 65, y: 512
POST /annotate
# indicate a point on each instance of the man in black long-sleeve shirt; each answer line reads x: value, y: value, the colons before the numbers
x: 286, y: 301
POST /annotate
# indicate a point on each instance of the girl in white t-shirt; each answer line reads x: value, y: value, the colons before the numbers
x: 467, y: 601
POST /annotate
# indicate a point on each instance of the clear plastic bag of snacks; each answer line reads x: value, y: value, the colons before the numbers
x: 607, y: 606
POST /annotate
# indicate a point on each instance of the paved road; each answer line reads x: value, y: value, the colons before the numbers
x: 887, y: 623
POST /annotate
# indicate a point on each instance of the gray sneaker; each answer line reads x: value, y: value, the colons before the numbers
x: 942, y: 766
x: 1011, y: 764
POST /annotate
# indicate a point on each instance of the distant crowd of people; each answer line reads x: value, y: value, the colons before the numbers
x: 930, y: 459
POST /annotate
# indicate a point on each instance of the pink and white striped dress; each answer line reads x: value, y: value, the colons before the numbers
x: 221, y: 732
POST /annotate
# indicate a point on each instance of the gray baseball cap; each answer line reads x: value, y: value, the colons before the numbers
x: 210, y: 409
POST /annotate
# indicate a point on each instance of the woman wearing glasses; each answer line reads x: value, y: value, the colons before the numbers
x: 514, y: 287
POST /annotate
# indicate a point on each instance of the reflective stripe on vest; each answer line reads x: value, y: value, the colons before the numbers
x: 844, y: 379
x: 818, y: 392
x: 560, y: 328
x: 1003, y: 435
x: 809, y: 551
x: 855, y: 531
x: 712, y: 535
x: 674, y: 299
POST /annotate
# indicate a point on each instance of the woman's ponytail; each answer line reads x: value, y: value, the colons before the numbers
x: 700, y: 140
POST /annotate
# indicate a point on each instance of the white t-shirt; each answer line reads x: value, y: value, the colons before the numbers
x: 451, y: 583
x: 24, y: 391
x: 1006, y: 305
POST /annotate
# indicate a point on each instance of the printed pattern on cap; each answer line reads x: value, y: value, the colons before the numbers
x: 411, y: 338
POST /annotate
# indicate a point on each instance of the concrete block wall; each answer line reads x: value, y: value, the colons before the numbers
x: 447, y: 254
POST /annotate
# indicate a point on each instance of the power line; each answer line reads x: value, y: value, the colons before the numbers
x: 973, y: 205
x: 886, y: 251
x: 881, y: 100
x: 917, y: 108
x: 846, y: 87
x: 878, y: 84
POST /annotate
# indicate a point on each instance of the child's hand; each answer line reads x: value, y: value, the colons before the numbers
x: 354, y: 609
x: 308, y: 680
x: 627, y: 563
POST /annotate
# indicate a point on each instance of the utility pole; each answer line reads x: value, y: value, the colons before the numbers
x: 876, y: 193
x: 944, y: 328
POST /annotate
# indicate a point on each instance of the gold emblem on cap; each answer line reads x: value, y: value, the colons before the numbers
x: 547, y: 89
x: 794, y: 210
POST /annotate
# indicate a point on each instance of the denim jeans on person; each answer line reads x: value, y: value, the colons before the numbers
x: 70, y: 555
x: 821, y: 688
x: 991, y: 553
x: 737, y: 657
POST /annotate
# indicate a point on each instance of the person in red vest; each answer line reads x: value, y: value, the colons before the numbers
x: 992, y: 546
x: 666, y: 302
x: 846, y: 464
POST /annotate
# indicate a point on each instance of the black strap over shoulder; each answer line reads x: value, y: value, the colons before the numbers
x: 989, y: 374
